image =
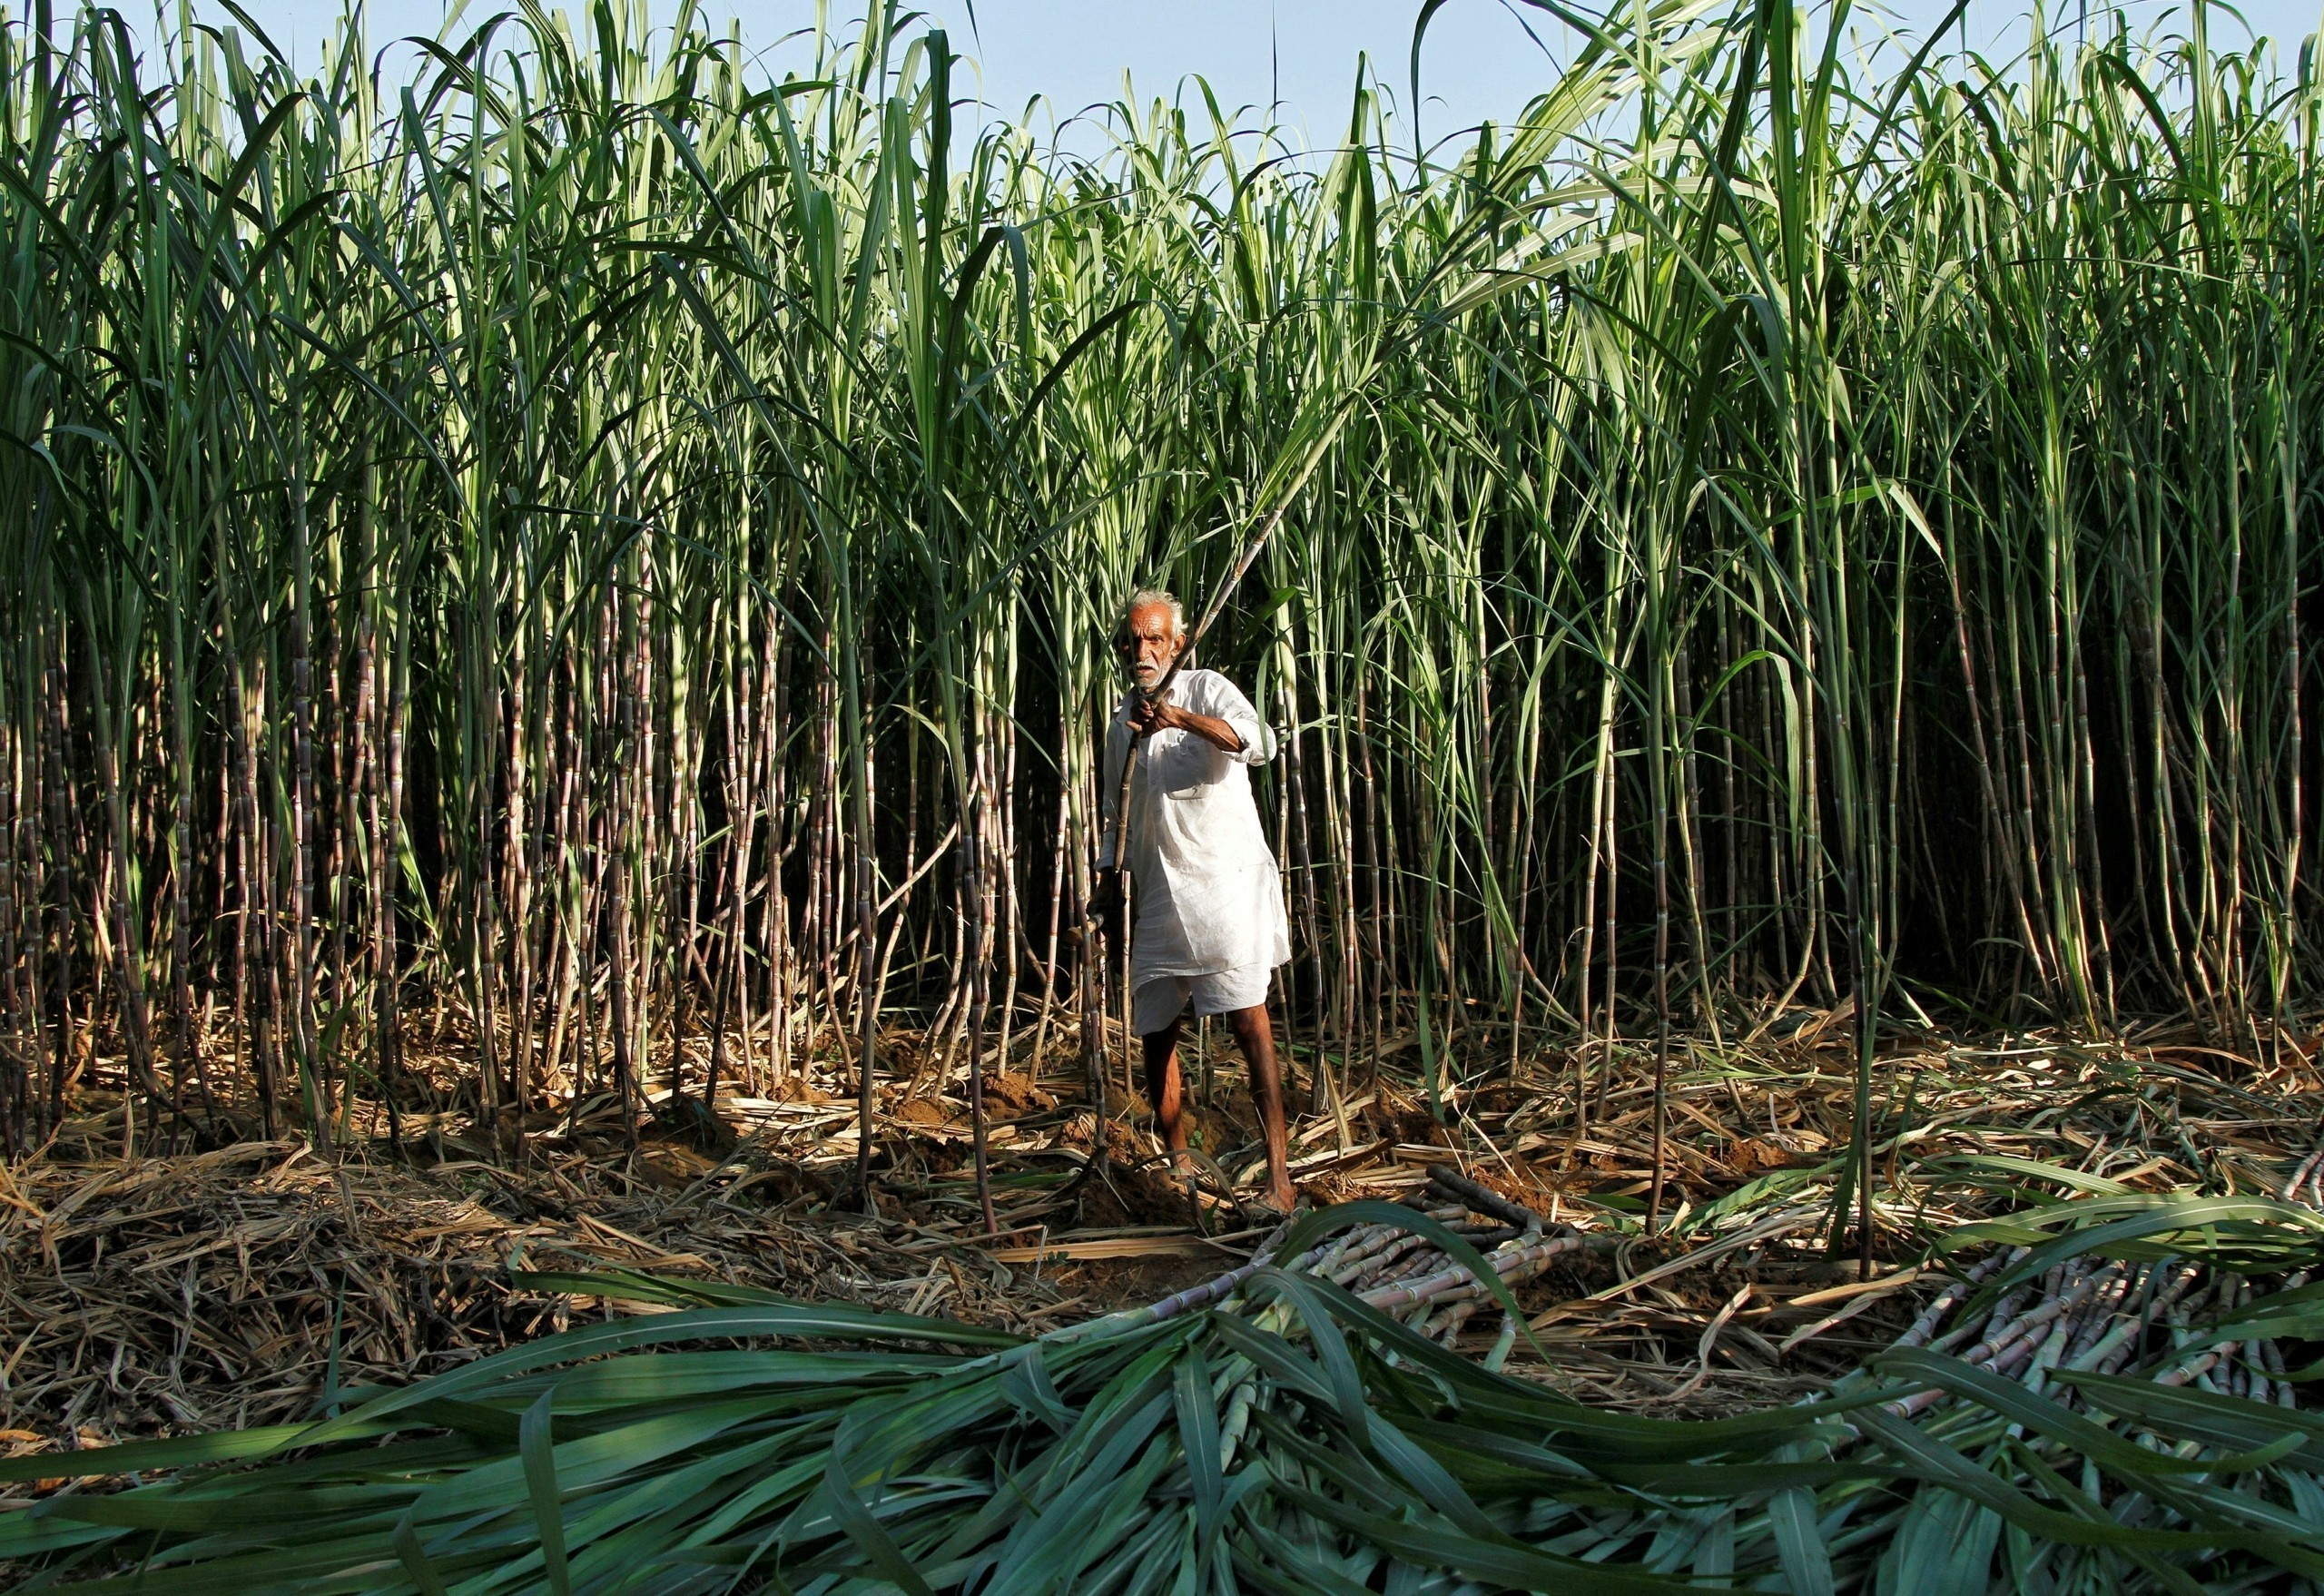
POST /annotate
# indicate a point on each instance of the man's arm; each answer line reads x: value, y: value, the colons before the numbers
x: 1223, y: 700
x: 1146, y: 719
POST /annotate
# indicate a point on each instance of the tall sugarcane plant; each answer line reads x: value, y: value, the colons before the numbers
x: 591, y: 561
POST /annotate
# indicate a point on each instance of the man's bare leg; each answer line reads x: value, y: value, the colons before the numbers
x: 1166, y: 1090
x: 1255, y: 1036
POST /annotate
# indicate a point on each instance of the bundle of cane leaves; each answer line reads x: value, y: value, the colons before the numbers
x: 1272, y: 1432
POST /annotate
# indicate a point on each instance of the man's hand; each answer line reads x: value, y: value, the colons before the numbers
x: 1160, y: 714
x: 1149, y: 716
x: 1106, y: 905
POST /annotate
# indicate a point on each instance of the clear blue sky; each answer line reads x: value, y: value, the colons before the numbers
x: 1478, y: 60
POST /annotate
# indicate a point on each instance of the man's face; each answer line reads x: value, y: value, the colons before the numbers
x: 1147, y: 642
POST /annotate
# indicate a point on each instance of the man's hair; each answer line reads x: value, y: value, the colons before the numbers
x: 1144, y: 596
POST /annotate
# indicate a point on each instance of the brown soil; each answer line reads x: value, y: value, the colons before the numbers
x: 1011, y: 1097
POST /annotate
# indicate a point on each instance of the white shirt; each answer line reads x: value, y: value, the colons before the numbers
x: 1209, y: 897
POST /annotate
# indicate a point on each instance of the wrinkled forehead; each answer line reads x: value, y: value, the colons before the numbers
x: 1147, y: 620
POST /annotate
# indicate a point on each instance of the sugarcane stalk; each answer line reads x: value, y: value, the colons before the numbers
x: 1482, y: 1200
x: 1918, y: 1333
x: 2308, y: 1167
x: 1457, y: 1283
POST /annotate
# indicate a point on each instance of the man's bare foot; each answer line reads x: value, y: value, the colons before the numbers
x: 1270, y: 1209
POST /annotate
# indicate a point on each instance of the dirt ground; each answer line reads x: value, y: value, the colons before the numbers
x: 246, y: 1283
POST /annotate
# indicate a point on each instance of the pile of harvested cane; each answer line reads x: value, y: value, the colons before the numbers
x: 2110, y: 1317
x: 2100, y: 1403
x: 1411, y: 1274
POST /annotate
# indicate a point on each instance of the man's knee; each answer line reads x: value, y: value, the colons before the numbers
x: 1250, y: 1025
x: 1160, y: 1046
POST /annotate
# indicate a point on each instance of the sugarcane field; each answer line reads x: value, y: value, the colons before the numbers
x: 767, y: 829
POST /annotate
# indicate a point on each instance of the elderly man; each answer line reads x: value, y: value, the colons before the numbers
x: 1210, y: 924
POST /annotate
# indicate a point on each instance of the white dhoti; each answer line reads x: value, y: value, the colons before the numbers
x: 1210, y: 923
x: 1154, y: 1003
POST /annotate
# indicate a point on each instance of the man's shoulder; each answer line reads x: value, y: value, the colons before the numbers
x: 1212, y: 686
